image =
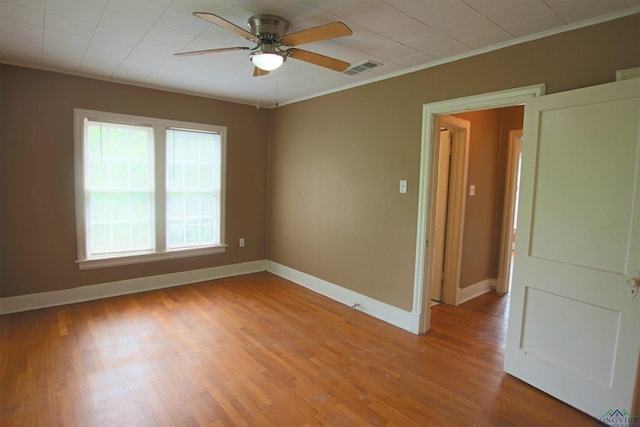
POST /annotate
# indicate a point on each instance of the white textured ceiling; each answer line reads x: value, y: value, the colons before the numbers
x: 133, y: 41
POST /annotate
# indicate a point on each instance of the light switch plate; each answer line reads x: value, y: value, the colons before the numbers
x: 403, y: 186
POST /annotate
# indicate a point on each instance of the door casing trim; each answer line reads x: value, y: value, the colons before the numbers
x: 421, y: 313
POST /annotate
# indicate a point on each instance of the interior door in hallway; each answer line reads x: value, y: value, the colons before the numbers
x: 574, y: 322
x: 442, y: 198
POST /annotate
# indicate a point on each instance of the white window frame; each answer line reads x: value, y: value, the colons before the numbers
x: 160, y: 127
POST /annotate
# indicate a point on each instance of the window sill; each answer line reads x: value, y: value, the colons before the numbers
x: 88, y: 264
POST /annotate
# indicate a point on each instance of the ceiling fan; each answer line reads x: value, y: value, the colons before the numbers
x: 274, y: 45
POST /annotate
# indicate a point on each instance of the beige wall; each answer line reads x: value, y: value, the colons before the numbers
x: 335, y: 161
x: 37, y: 210
x: 483, y: 214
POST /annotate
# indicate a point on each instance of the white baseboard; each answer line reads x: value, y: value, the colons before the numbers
x: 383, y: 311
x: 368, y: 305
x: 475, y: 290
x: 123, y: 287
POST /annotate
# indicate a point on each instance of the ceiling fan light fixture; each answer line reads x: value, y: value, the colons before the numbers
x: 267, y: 61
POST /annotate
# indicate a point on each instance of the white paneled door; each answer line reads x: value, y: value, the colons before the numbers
x: 574, y: 322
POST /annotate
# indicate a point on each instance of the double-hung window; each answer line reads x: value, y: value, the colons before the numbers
x: 147, y: 189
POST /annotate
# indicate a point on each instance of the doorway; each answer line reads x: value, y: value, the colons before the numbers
x: 426, y: 206
x: 473, y: 224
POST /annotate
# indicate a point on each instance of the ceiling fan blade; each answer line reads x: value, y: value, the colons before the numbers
x: 202, y: 52
x: 257, y: 72
x: 314, y: 34
x: 317, y: 59
x: 221, y: 22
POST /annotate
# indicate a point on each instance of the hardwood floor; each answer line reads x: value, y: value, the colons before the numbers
x: 257, y: 350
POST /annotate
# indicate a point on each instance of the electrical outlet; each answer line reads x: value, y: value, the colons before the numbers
x: 241, y: 243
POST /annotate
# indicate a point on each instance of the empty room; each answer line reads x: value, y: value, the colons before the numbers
x: 301, y: 213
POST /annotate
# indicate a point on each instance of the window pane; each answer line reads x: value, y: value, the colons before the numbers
x: 192, y: 235
x: 98, y: 173
x: 121, y: 237
x: 192, y: 205
x: 176, y: 233
x: 119, y: 207
x: 207, y: 229
x: 140, y: 236
x: 193, y: 168
x: 140, y: 207
x: 118, y: 174
x: 192, y: 146
x: 118, y: 188
x: 175, y: 205
x: 207, y: 206
x: 191, y: 177
x: 139, y: 175
x: 100, y: 207
x: 206, y: 177
x: 207, y: 150
x: 100, y: 237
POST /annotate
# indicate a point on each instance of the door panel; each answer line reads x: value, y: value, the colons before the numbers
x: 570, y: 181
x: 565, y: 346
x: 574, y: 325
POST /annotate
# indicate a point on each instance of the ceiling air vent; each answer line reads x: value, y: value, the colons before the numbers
x: 362, y: 67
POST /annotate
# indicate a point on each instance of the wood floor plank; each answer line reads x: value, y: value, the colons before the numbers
x: 257, y: 350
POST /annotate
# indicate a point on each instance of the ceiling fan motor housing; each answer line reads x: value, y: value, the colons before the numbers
x: 268, y: 27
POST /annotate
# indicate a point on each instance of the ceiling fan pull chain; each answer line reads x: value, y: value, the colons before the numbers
x: 277, y: 86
